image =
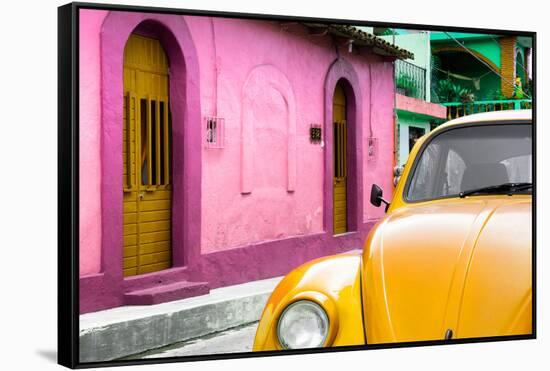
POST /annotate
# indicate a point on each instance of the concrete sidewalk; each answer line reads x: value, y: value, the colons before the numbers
x: 129, y: 330
x: 235, y: 340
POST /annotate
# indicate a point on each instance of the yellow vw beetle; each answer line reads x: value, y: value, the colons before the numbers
x: 452, y: 258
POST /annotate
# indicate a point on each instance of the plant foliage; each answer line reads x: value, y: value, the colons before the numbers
x: 447, y: 91
x: 408, y: 84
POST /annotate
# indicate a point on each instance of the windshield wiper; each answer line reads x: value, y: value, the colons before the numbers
x: 509, y: 188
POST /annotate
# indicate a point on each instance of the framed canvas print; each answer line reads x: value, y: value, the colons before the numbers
x: 238, y: 185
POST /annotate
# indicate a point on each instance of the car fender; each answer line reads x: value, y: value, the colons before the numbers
x: 333, y: 282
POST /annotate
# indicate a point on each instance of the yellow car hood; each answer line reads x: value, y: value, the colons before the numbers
x: 454, y: 265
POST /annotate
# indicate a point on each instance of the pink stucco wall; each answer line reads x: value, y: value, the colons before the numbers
x: 90, y: 125
x: 269, y: 212
x: 379, y: 167
x: 257, y: 75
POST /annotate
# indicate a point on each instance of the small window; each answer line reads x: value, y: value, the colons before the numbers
x: 415, y: 134
x: 214, y: 132
x: 373, y: 148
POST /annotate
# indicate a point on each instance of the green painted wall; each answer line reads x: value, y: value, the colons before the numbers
x: 486, y: 45
x: 439, y: 35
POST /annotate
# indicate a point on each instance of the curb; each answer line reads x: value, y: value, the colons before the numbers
x: 124, y: 331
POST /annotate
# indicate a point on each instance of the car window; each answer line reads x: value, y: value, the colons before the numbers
x: 423, y: 182
x: 471, y: 157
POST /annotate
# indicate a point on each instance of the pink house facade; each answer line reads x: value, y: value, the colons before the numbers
x: 261, y: 204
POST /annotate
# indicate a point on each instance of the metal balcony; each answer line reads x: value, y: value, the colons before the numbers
x: 410, y: 80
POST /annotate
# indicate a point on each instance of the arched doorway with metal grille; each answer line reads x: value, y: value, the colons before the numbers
x: 147, y: 187
x: 343, y: 189
x: 181, y: 99
x: 340, y: 144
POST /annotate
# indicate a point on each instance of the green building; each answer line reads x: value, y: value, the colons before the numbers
x: 474, y: 72
x: 416, y: 115
x: 455, y: 74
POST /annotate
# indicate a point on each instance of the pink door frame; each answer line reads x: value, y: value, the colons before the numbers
x: 186, y: 138
x: 341, y: 71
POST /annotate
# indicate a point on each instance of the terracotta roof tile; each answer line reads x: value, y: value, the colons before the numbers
x: 361, y: 38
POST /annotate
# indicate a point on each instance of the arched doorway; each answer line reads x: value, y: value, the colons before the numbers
x: 185, y: 145
x: 340, y: 144
x: 343, y: 104
x: 147, y: 181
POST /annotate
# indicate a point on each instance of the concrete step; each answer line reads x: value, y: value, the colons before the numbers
x: 166, y: 292
x: 132, y: 329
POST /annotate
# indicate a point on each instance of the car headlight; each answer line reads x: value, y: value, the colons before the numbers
x: 303, y: 324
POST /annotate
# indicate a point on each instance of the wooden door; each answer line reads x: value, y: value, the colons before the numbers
x: 147, y: 170
x: 340, y: 209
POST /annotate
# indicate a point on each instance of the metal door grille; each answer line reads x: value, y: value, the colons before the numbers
x: 340, y: 144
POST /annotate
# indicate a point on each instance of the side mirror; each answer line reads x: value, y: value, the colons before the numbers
x: 376, y: 197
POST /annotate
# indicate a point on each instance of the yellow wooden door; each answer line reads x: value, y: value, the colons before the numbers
x: 147, y: 179
x: 340, y: 222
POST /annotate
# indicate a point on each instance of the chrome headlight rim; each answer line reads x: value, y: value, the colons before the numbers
x: 319, y: 310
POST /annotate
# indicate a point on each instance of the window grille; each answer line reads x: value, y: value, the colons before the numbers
x: 147, y: 139
x: 340, y: 136
x: 315, y: 134
x: 215, y: 132
x: 372, y: 148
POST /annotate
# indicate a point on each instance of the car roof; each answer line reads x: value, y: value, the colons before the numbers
x: 506, y: 115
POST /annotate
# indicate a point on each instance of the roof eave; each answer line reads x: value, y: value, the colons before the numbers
x: 360, y: 38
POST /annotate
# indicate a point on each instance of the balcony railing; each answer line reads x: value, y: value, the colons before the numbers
x: 459, y: 109
x: 410, y: 80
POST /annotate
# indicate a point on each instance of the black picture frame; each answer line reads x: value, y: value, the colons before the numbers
x: 68, y: 182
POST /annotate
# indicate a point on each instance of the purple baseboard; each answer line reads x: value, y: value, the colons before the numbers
x: 98, y: 292
x: 218, y: 269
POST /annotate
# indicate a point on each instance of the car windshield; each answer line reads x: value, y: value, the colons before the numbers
x: 481, y: 159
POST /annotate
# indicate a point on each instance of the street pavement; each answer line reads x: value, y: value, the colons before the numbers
x: 236, y: 340
x: 129, y: 331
